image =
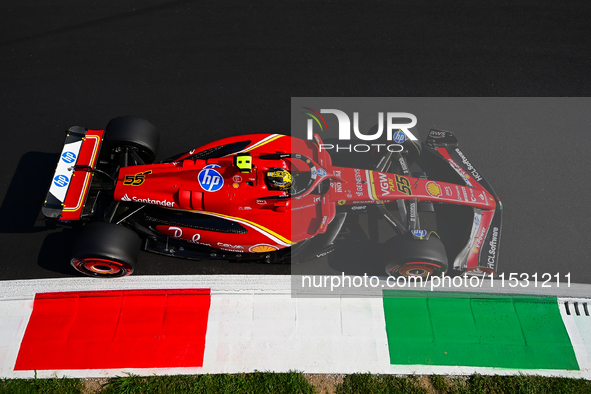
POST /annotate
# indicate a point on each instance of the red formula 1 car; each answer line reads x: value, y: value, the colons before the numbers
x: 259, y: 197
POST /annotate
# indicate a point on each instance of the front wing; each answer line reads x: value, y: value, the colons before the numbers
x: 480, y: 255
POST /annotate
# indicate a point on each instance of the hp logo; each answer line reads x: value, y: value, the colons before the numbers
x: 69, y: 157
x: 61, y: 181
x: 210, y: 180
x: 399, y: 137
x: 419, y: 233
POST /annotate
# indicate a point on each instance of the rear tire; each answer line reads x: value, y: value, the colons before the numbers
x: 106, y: 250
x: 406, y: 256
x: 136, y: 133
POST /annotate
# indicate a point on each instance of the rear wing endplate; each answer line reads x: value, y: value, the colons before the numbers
x: 73, y: 174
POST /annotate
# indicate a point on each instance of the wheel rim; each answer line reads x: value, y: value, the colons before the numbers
x: 421, y: 269
x: 101, y: 267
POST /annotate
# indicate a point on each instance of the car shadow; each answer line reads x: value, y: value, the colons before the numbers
x: 21, y: 208
x: 54, y: 254
x: 20, y: 211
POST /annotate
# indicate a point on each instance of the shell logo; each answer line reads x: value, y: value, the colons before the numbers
x: 262, y: 248
x: 475, y: 250
x: 433, y: 189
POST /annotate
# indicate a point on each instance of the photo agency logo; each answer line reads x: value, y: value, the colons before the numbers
x: 396, y: 132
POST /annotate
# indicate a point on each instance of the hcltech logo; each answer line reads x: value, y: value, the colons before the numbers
x: 395, y: 131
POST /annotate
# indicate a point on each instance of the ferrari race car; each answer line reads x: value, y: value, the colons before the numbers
x: 261, y: 197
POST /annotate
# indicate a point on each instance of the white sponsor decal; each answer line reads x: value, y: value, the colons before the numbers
x: 384, y: 185
x: 324, y: 253
x: 469, y: 165
x: 465, y: 194
x: 460, y: 171
x: 478, y: 241
x: 403, y: 165
x: 413, y: 212
x: 472, y: 198
x: 323, y: 222
x: 230, y: 246
x: 493, y: 248
x: 178, y: 232
x: 63, y: 171
x: 162, y: 203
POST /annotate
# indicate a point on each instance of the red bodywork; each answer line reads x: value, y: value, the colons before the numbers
x: 274, y: 219
x: 82, y: 178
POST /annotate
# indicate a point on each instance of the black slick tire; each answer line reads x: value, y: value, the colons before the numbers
x: 106, y: 250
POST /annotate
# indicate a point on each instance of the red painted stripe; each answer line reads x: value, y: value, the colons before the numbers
x: 116, y: 329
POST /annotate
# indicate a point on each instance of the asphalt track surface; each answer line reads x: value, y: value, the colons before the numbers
x: 203, y: 70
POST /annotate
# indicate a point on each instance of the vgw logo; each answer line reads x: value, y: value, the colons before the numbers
x: 395, y: 131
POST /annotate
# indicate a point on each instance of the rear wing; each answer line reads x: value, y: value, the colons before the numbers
x: 70, y: 184
x: 480, y: 255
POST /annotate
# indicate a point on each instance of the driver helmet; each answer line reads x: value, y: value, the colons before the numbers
x: 279, y: 179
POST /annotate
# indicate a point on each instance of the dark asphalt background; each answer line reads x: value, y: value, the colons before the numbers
x: 203, y: 70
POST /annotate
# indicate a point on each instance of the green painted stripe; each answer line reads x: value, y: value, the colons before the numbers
x: 477, y: 330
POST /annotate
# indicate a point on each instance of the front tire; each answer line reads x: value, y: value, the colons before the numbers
x: 406, y: 256
x: 106, y: 250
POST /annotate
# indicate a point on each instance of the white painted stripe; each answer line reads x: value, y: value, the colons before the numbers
x: 14, y: 317
x: 579, y: 330
x: 62, y: 169
x: 277, y: 332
